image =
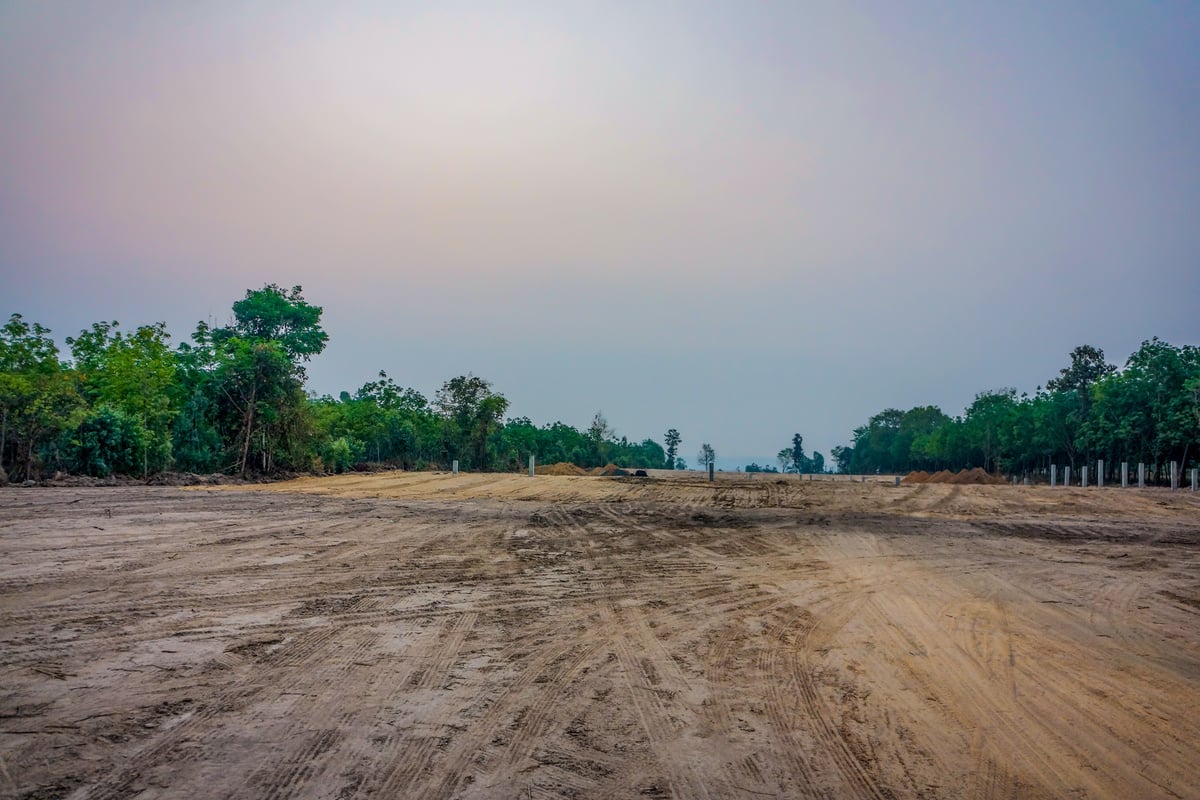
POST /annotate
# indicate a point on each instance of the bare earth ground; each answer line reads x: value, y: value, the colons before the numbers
x: 422, y: 635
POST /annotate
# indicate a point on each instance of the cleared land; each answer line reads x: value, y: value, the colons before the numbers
x: 499, y: 636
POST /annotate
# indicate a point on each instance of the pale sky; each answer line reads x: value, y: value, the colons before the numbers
x: 742, y: 220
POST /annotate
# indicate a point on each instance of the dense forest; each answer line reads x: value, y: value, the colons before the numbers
x: 1147, y: 411
x: 233, y: 400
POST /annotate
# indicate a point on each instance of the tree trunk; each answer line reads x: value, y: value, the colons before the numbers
x: 249, y: 429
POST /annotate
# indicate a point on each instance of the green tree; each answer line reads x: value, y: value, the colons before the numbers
x: 707, y: 456
x: 799, y: 460
x: 273, y: 314
x: 672, y: 440
x: 257, y: 378
x: 599, y: 433
x: 107, y: 441
x: 472, y: 413
x: 37, y: 395
x: 135, y: 374
x: 989, y: 421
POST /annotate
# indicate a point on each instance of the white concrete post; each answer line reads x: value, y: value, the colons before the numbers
x: 1141, y: 475
x: 531, y: 466
x: 1100, y: 473
x: 1083, y: 476
x: 897, y: 480
x: 1053, y: 475
x: 1174, y: 475
x: 1124, y: 474
x: 454, y: 467
x: 1067, y: 475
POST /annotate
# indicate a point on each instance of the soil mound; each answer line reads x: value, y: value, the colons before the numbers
x: 608, y: 470
x: 967, y: 477
x: 976, y: 477
x: 561, y: 468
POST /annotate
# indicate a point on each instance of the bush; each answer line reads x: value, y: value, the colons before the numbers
x: 107, y: 441
x: 341, y: 454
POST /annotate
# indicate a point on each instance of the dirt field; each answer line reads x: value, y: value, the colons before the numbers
x: 429, y: 636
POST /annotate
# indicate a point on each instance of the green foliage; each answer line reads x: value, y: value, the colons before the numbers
x: 341, y: 454
x: 232, y: 399
x: 471, y: 414
x: 672, y: 441
x: 1148, y: 411
x: 135, y: 374
x: 272, y: 314
x: 38, y: 397
x: 107, y: 441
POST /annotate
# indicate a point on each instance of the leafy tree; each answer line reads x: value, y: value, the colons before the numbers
x: 1086, y: 368
x: 707, y: 456
x: 272, y: 314
x: 37, y: 394
x: 799, y: 460
x: 599, y: 432
x: 107, y: 441
x: 472, y: 414
x: 784, y: 457
x: 988, y: 422
x: 843, y: 456
x: 135, y: 374
x: 672, y: 441
x: 258, y: 378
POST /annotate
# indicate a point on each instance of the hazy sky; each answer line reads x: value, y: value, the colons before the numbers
x: 738, y: 219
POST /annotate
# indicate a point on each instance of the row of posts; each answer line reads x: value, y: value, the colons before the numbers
x: 1083, y: 476
x: 1141, y: 475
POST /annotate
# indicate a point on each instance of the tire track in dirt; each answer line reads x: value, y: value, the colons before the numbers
x: 485, y: 745
x: 783, y: 688
x: 658, y: 724
x: 165, y: 746
x: 810, y: 635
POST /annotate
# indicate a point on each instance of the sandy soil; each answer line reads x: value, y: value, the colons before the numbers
x: 500, y: 636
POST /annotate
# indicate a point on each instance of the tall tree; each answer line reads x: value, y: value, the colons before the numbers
x: 707, y: 456
x: 799, y: 460
x: 37, y: 394
x: 672, y: 440
x: 599, y: 432
x: 273, y: 314
x: 135, y: 374
x: 471, y: 412
x: 259, y: 377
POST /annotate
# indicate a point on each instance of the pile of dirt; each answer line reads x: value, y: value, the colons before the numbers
x: 977, y: 477
x: 972, y: 477
x: 561, y: 468
x: 608, y: 470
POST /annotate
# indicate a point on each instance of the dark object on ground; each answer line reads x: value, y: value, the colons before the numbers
x: 641, y: 473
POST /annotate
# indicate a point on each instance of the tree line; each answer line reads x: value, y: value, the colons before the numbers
x: 233, y: 400
x: 1147, y: 411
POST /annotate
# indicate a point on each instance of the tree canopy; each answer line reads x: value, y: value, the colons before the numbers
x: 232, y: 399
x: 1147, y: 411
